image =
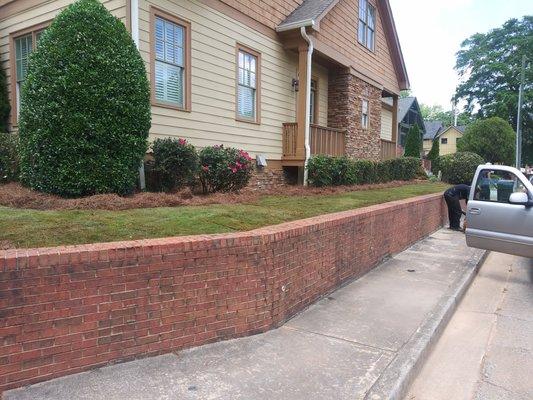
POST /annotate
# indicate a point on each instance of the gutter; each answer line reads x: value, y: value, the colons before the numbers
x: 295, y: 25
x: 310, y: 48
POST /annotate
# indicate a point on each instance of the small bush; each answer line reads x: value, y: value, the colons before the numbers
x: 85, y: 106
x: 459, y: 167
x: 335, y: 171
x: 9, y: 160
x: 176, y: 162
x: 224, y: 169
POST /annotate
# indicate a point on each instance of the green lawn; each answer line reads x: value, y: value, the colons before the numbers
x: 31, y: 228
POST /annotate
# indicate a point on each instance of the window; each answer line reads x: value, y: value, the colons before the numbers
x: 364, y: 114
x: 444, y: 141
x: 366, y: 29
x: 313, y: 109
x: 23, y: 45
x: 170, y: 61
x: 248, y: 69
x: 497, y: 186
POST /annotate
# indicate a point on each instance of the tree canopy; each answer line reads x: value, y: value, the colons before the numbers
x: 492, y: 138
x: 437, y: 113
x: 85, y: 106
x: 489, y: 66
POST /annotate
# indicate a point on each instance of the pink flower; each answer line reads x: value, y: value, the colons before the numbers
x: 205, y: 168
x: 182, y: 142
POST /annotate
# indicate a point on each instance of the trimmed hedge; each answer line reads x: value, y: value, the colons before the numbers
x: 224, y: 169
x: 85, y: 112
x: 336, y: 171
x: 9, y: 159
x: 458, y: 167
x: 176, y: 162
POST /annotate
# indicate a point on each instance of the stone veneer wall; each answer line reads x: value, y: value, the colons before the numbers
x: 68, y: 309
x: 345, y: 96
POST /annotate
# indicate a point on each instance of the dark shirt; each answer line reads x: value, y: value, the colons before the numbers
x: 460, y: 191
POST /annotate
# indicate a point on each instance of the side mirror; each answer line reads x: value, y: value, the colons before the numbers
x: 520, y: 199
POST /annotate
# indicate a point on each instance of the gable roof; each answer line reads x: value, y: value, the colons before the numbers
x: 404, y: 104
x: 460, y: 128
x: 310, y: 12
x: 433, y: 128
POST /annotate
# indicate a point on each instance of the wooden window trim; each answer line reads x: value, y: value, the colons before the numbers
x: 156, y: 12
x: 373, y: 49
x: 257, y: 54
x: 34, y: 29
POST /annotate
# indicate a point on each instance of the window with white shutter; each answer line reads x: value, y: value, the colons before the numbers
x: 170, y: 61
x: 248, y: 64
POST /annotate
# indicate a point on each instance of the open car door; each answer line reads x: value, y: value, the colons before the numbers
x: 500, y: 211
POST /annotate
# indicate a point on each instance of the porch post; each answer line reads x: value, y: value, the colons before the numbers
x: 395, y: 123
x: 301, y: 97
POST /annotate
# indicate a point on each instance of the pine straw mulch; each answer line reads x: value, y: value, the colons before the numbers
x: 17, y: 196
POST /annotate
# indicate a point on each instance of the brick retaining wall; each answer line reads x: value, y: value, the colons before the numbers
x: 68, y: 309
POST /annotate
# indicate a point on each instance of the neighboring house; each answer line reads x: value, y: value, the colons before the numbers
x: 243, y: 72
x: 409, y: 114
x: 432, y: 129
x: 447, y: 137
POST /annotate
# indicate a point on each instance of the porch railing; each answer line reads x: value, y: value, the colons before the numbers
x: 323, y: 140
x: 388, y: 149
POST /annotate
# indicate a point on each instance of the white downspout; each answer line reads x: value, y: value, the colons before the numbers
x: 134, y: 18
x: 307, y: 101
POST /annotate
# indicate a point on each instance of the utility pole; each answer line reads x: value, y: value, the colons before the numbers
x: 519, y: 116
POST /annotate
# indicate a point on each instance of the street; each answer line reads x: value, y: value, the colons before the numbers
x: 486, y: 351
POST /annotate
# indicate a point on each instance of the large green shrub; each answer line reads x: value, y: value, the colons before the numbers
x: 492, y: 138
x: 334, y: 171
x: 435, y: 150
x: 176, y: 162
x: 9, y: 160
x: 5, y: 107
x: 85, y: 112
x: 224, y: 169
x: 413, y: 142
x: 458, y: 167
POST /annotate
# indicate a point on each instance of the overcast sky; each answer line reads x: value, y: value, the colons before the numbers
x: 431, y: 32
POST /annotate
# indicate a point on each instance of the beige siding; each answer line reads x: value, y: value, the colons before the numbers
x: 428, y: 143
x: 338, y: 29
x: 322, y: 74
x: 39, y: 12
x: 452, y: 135
x: 386, y: 124
x: 212, y: 118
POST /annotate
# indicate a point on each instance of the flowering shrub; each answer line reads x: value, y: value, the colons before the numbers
x: 9, y: 160
x: 224, y: 169
x: 85, y: 106
x: 176, y: 162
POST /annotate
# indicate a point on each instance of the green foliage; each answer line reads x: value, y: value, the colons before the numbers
x: 492, y: 138
x: 458, y: 167
x: 224, y: 169
x: 176, y: 161
x: 435, y: 150
x: 437, y: 113
x: 336, y: 171
x: 9, y: 159
x: 5, y: 107
x: 489, y: 65
x: 413, y: 142
x: 85, y: 112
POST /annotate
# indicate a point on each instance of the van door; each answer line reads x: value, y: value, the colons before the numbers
x: 493, y: 223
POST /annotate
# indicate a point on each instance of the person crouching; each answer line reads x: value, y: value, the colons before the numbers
x: 453, y: 196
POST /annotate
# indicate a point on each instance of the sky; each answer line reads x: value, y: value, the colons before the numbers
x: 431, y: 32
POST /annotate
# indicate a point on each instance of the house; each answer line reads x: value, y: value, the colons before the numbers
x: 432, y: 129
x: 409, y: 114
x: 447, y: 137
x: 283, y: 82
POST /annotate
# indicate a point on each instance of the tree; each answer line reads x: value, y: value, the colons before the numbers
x: 491, y: 138
x: 85, y: 106
x: 437, y: 113
x: 489, y: 67
x: 435, y: 150
x: 5, y: 107
x: 405, y: 93
x: 413, y: 142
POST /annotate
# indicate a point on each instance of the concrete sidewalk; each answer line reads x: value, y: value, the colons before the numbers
x: 363, y: 341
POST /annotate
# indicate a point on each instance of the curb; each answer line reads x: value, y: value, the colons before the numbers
x: 399, y: 374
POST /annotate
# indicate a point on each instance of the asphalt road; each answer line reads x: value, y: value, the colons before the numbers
x: 486, y: 351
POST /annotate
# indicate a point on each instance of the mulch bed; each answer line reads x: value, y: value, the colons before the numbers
x: 17, y: 196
